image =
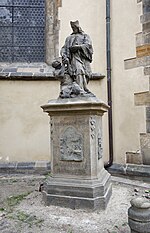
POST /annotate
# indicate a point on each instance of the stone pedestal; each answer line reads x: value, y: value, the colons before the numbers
x: 78, y: 178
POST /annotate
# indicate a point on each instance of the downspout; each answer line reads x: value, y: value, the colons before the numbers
x: 109, y: 93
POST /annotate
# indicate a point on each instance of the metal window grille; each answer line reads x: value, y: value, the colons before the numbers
x: 22, y: 30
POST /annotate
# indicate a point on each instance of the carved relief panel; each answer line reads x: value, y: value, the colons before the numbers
x: 71, y: 145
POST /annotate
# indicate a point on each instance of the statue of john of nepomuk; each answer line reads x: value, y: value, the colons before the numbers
x: 75, y: 71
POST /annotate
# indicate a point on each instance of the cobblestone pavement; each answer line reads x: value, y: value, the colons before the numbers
x: 22, y: 209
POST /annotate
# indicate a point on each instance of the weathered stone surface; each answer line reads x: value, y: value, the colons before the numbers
x: 85, y: 118
x: 146, y: 6
x: 51, y: 30
x: 145, y: 147
x: 136, y: 62
x: 78, y: 193
x: 141, y: 203
x: 74, y: 70
x: 78, y: 176
x: 135, y: 170
x: 147, y: 119
x: 143, y: 50
x: 73, y: 152
x: 146, y: 27
x: 147, y: 70
x: 139, y: 215
x: 139, y: 39
x: 59, y: 3
x: 134, y: 158
x: 142, y: 98
x: 145, y: 18
x: 38, y: 167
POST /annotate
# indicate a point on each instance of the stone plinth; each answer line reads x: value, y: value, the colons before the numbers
x: 78, y: 178
x: 145, y: 147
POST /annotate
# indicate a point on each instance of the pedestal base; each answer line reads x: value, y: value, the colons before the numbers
x: 79, y: 179
x: 78, y: 194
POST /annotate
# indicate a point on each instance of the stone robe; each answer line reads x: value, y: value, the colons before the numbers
x: 79, y: 61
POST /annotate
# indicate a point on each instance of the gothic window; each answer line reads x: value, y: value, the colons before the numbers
x: 146, y: 6
x: 22, y: 30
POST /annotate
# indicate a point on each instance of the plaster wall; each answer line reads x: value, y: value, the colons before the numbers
x: 128, y: 120
x: 24, y: 128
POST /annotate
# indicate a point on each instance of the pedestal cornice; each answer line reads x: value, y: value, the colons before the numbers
x: 80, y: 105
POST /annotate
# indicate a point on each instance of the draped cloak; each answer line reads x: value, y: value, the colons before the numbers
x: 79, y: 61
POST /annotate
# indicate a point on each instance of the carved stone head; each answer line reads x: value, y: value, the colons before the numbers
x: 76, y: 27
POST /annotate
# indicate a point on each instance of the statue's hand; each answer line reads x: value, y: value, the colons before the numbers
x: 65, y: 60
x: 75, y: 48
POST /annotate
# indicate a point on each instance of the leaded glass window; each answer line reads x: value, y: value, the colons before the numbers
x: 22, y: 30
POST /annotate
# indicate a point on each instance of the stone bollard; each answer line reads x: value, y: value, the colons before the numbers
x: 139, y: 215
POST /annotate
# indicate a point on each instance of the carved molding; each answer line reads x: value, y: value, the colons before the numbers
x: 51, y: 127
x: 92, y: 127
x: 100, y: 148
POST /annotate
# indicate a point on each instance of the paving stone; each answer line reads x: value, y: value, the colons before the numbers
x: 10, y: 70
x: 16, y: 74
x: 4, y: 74
x: 27, y: 74
x: 26, y: 165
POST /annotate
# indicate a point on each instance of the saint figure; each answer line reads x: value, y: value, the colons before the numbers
x: 77, y: 56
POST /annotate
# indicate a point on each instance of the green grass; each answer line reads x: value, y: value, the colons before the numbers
x: 13, y: 181
x: 47, y: 175
x: 26, y: 218
x: 13, y: 201
x: 125, y: 224
x: 70, y: 231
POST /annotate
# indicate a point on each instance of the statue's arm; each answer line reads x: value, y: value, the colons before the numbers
x: 64, y: 52
x: 86, y: 48
x: 87, y: 43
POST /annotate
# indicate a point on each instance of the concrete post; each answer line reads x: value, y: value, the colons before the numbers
x: 139, y: 215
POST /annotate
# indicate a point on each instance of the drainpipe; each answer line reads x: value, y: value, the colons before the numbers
x: 109, y: 94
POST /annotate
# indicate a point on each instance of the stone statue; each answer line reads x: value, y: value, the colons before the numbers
x: 74, y: 72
